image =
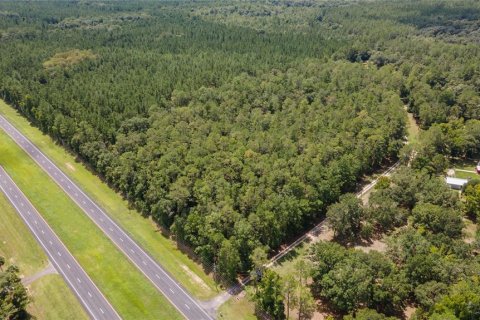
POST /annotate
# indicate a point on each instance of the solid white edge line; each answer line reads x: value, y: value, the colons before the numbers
x: 58, y: 267
x: 114, y: 223
x: 34, y: 147
x: 55, y: 237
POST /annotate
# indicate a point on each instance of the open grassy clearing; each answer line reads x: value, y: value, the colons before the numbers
x: 68, y: 58
x: 286, y: 265
x: 141, y: 229
x: 233, y: 309
x: 413, y: 130
x: 132, y: 295
x: 466, y: 175
x: 465, y: 164
x: 465, y: 168
x: 51, y: 297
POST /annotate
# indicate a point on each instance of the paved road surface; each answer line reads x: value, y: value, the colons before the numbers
x: 172, y: 290
x: 91, y: 298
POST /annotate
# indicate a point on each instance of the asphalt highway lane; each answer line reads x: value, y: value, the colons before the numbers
x: 170, y: 288
x: 89, y: 295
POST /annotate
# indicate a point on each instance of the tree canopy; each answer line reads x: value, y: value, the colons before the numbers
x: 13, y: 295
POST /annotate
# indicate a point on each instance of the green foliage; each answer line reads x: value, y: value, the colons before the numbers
x: 268, y: 296
x: 384, y: 212
x: 405, y: 185
x: 345, y: 218
x: 437, y: 219
x: 429, y: 293
x: 289, y: 284
x: 304, y: 302
x: 228, y: 262
x: 13, y: 295
x: 67, y: 59
x: 463, y: 301
x: 216, y: 129
x: 423, y: 259
x: 349, y: 279
x: 367, y: 314
x: 382, y: 183
x: 236, y: 124
x: 472, y: 200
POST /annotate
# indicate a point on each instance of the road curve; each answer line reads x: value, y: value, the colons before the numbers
x: 170, y: 288
x: 89, y: 295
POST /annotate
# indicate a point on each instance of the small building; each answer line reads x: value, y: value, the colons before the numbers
x: 456, y: 183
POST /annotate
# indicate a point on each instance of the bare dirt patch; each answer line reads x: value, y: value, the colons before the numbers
x: 195, y: 278
x: 70, y: 166
x: 325, y: 233
x: 377, y: 245
x: 409, y: 311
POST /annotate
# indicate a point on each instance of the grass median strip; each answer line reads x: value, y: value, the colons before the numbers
x: 51, y: 297
x: 143, y: 230
x: 131, y: 294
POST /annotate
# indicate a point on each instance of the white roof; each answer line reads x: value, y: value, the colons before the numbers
x: 456, y: 181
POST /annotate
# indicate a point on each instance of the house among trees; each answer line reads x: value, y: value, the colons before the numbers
x: 456, y: 183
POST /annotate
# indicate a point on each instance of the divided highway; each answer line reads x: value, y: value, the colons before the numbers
x: 89, y: 295
x: 170, y: 288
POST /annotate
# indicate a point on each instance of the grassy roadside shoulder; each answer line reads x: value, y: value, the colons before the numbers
x: 131, y: 294
x: 51, y: 297
x: 183, y: 269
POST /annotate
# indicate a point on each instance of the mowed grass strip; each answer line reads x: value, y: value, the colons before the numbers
x: 51, y: 297
x: 131, y: 294
x: 143, y: 230
x: 17, y: 244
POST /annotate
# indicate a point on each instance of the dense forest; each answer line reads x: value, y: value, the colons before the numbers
x: 427, y: 261
x: 235, y: 125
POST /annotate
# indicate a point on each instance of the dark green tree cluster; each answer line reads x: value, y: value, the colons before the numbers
x: 456, y: 139
x: 275, y: 297
x: 349, y: 279
x: 237, y: 124
x: 231, y: 138
x: 268, y: 296
x: 13, y: 295
x: 426, y: 200
x: 427, y: 261
x: 472, y: 200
